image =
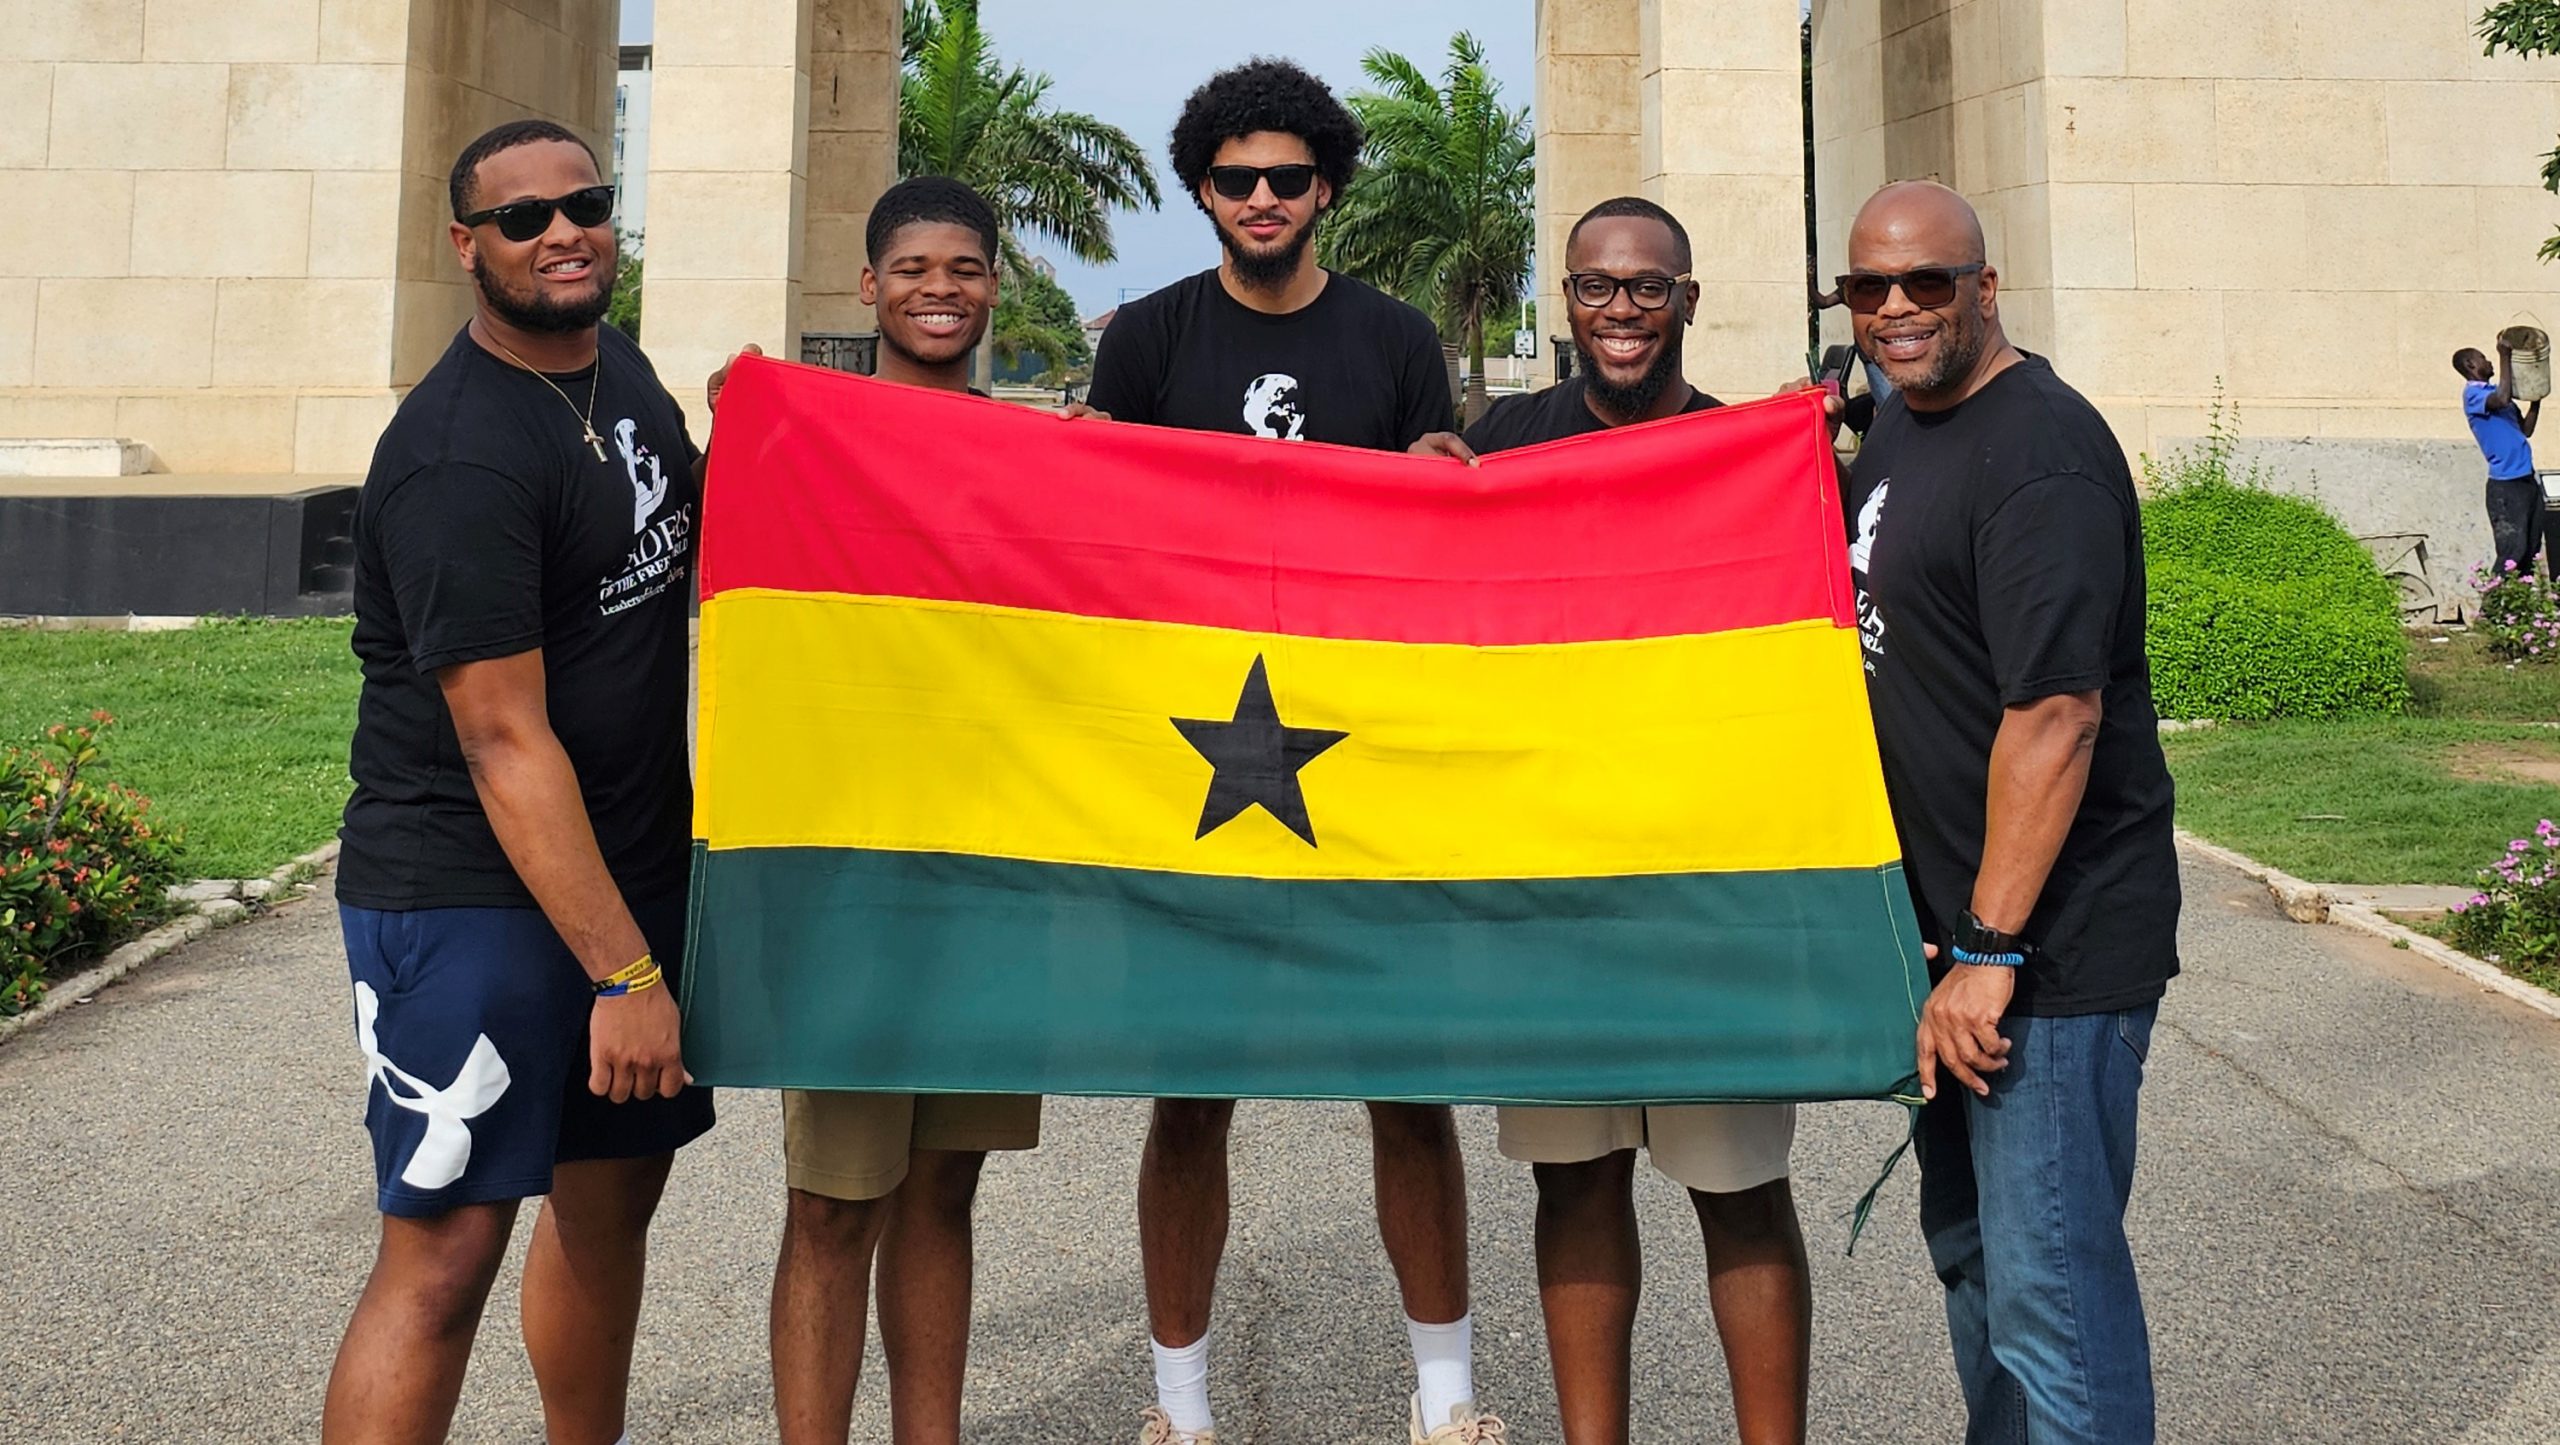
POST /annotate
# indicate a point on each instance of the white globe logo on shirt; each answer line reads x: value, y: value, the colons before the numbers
x: 1271, y: 407
x: 1868, y: 516
x: 645, y: 495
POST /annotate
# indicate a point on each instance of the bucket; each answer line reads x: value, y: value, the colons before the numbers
x: 2530, y: 364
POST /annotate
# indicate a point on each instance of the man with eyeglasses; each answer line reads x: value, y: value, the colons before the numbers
x: 1270, y: 344
x: 1630, y: 301
x: 1996, y: 548
x: 514, y: 866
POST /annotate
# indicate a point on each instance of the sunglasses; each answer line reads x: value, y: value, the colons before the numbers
x: 1929, y: 286
x: 1596, y: 289
x: 524, y: 220
x: 1237, y: 183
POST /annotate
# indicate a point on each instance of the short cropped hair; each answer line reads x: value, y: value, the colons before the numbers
x: 460, y: 186
x: 1635, y: 206
x: 928, y: 199
x: 2463, y: 359
x: 1273, y: 95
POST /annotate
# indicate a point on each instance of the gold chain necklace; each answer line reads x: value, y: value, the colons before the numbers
x: 586, y: 419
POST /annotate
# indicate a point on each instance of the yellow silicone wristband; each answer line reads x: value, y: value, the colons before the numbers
x: 619, y: 980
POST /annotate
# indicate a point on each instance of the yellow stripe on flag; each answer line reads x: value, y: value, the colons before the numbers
x: 861, y: 722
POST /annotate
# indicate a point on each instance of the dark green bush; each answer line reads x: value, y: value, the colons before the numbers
x: 2262, y: 606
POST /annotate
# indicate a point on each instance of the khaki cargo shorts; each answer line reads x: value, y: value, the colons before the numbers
x: 1712, y: 1148
x: 846, y: 1145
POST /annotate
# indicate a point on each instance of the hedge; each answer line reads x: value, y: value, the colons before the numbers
x: 2262, y: 605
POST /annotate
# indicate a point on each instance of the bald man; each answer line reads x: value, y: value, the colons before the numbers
x: 1998, y: 559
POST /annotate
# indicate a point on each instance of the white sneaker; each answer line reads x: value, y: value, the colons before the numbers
x: 1154, y: 1428
x: 1465, y: 1427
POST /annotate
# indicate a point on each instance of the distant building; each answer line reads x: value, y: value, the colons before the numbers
x: 631, y: 139
x: 1093, y: 329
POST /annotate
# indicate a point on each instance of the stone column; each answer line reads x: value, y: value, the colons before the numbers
x: 1586, y: 113
x: 728, y: 186
x: 1722, y: 147
x: 1951, y: 91
x: 853, y: 152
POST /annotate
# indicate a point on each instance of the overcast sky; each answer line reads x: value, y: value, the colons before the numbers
x: 1132, y: 63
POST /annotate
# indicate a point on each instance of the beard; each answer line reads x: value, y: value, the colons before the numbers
x: 1638, y: 396
x: 539, y: 313
x: 1959, y: 348
x: 1272, y: 269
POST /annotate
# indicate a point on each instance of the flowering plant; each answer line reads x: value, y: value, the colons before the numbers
x: 2514, y: 919
x: 2519, y: 613
x: 80, y: 860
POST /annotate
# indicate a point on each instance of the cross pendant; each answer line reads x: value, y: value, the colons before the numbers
x: 596, y: 442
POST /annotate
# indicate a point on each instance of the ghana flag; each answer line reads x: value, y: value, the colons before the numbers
x: 1077, y: 757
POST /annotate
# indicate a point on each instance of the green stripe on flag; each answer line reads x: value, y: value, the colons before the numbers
x: 946, y: 973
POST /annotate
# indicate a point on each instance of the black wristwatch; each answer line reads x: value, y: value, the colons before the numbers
x: 1976, y: 942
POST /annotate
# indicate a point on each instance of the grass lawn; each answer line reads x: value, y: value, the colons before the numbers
x: 2428, y: 798
x: 237, y: 731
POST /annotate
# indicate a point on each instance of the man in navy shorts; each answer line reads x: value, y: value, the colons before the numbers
x: 513, y: 875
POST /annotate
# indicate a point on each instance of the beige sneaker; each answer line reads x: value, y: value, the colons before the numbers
x: 1465, y: 1427
x: 1155, y: 1429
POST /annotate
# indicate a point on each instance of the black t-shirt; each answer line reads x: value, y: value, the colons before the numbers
x: 1558, y: 412
x: 486, y: 528
x: 1354, y: 366
x: 1997, y: 551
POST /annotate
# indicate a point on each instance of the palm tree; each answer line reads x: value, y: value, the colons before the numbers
x: 1441, y: 213
x: 1053, y: 173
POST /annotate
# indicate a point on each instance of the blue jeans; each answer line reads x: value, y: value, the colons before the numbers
x: 2022, y: 1197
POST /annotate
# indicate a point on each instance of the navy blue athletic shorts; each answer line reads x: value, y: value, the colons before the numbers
x: 473, y: 1024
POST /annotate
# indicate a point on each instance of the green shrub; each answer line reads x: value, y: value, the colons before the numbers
x: 80, y: 861
x: 2261, y: 604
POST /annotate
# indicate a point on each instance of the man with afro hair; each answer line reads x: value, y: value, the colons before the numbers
x: 1268, y: 343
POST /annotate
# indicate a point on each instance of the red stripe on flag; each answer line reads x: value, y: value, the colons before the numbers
x: 826, y: 482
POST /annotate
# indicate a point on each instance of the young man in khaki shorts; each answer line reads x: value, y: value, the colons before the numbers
x: 893, y: 1173
x: 1732, y: 1158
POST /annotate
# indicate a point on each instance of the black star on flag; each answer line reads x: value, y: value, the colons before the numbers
x: 1256, y: 758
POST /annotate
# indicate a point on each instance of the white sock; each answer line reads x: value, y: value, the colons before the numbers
x: 1444, y: 1366
x: 1182, y: 1384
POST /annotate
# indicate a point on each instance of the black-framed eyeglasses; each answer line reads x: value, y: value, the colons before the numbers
x: 1236, y: 183
x: 1924, y: 286
x: 1596, y: 289
x: 524, y: 220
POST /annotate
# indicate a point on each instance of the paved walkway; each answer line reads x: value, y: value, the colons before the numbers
x: 2349, y: 1219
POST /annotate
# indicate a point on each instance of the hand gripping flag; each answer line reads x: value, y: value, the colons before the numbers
x: 1050, y: 756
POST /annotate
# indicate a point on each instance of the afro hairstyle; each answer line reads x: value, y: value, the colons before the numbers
x: 458, y: 186
x: 928, y: 199
x: 1259, y: 95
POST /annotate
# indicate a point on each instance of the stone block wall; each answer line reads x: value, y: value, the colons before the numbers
x: 213, y: 213
x: 2299, y: 207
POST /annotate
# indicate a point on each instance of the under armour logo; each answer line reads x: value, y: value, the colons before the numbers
x: 446, y: 1150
